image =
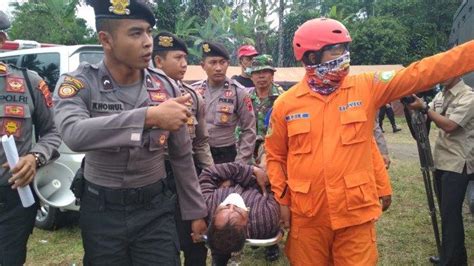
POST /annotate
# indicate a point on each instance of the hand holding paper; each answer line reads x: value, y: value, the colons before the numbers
x: 11, y: 153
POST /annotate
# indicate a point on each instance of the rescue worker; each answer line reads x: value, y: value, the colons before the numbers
x: 319, y: 140
x: 227, y: 106
x: 170, y: 55
x: 452, y: 110
x: 245, y: 55
x: 25, y: 101
x: 119, y: 113
x: 264, y: 93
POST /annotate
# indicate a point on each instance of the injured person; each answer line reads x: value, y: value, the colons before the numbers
x: 241, y: 209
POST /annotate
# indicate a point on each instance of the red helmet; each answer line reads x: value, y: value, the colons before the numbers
x: 247, y: 50
x: 316, y: 33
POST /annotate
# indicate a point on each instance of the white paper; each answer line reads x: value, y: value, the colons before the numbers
x: 11, y: 153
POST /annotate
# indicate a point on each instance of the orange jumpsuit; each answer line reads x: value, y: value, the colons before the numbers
x: 319, y: 157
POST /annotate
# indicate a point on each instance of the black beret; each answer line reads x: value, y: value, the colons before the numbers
x: 4, y: 21
x: 166, y: 41
x: 214, y: 49
x: 123, y: 9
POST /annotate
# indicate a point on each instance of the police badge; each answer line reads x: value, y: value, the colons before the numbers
x: 119, y: 7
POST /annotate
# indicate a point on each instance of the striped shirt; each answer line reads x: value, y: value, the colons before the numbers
x: 264, y: 213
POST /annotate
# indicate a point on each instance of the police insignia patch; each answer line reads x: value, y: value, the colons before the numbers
x: 11, y: 127
x: 165, y: 41
x: 248, y: 103
x: 15, y: 110
x: 43, y: 87
x: 119, y: 7
x: 74, y: 82
x: 162, y: 139
x: 206, y: 48
x: 228, y: 93
x: 3, y: 69
x: 67, y: 91
x: 224, y: 109
x: 224, y: 118
x: 15, y: 84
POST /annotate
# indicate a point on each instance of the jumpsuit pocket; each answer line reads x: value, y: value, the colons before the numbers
x: 299, y: 139
x: 360, y: 190
x: 158, y: 139
x: 353, y: 122
x: 224, y: 114
x: 301, y: 198
x: 13, y: 120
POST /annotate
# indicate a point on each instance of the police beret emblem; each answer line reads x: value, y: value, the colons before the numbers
x: 206, y: 48
x: 119, y: 7
x: 165, y: 41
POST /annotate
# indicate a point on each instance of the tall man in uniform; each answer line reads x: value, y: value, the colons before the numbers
x: 227, y: 106
x: 452, y: 110
x: 264, y: 93
x: 119, y: 113
x: 246, y: 53
x: 320, y: 138
x: 25, y: 102
x: 170, y: 55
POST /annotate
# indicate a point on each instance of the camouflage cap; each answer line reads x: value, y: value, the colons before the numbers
x: 4, y: 21
x: 261, y: 62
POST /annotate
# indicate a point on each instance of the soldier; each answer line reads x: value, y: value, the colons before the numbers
x: 264, y: 93
x: 25, y: 101
x: 120, y: 114
x: 227, y: 105
x: 170, y: 55
x: 245, y: 54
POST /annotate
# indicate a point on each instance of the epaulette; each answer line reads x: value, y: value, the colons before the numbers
x: 157, y: 71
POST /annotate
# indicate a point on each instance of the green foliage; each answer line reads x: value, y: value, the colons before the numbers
x: 50, y: 21
x: 167, y: 13
x: 378, y: 41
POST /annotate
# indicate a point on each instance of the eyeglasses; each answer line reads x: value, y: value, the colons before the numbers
x: 336, y: 49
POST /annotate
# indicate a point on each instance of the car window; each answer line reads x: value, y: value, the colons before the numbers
x: 12, y: 60
x: 46, y: 64
x: 92, y: 57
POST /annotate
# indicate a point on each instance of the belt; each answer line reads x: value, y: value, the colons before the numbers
x: 126, y: 196
x: 223, y: 150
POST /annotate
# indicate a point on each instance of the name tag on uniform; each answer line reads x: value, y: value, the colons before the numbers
x: 296, y: 116
x: 107, y: 107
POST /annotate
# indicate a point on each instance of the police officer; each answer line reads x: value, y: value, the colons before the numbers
x: 120, y: 114
x: 25, y: 101
x: 264, y: 93
x: 227, y: 106
x: 170, y: 55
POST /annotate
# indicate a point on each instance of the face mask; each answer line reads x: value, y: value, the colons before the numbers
x: 325, y: 78
x: 234, y: 199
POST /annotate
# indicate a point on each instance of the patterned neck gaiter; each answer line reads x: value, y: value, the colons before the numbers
x: 326, y: 78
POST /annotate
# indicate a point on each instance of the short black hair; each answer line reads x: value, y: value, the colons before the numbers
x: 230, y: 238
x: 160, y: 53
x: 107, y: 25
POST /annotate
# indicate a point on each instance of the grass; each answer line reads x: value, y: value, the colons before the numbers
x: 404, y: 233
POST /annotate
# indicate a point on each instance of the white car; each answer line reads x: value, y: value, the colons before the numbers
x: 53, y: 180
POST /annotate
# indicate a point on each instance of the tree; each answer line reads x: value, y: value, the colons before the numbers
x: 50, y: 21
x: 378, y: 41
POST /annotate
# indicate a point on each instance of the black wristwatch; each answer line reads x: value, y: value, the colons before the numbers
x: 40, y: 159
x: 425, y: 110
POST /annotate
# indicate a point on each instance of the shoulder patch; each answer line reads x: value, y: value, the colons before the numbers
x: 70, y: 87
x: 248, y: 103
x: 43, y: 87
x: 3, y: 69
x: 385, y: 76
